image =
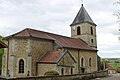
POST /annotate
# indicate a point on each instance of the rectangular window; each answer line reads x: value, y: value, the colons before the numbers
x: 62, y: 71
x: 92, y: 41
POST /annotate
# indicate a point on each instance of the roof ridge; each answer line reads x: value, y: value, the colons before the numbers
x: 57, y: 35
x: 18, y: 33
x: 28, y: 30
x: 51, y: 33
x: 83, y: 9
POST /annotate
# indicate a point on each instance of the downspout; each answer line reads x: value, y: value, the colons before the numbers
x: 7, y: 71
x: 78, y: 61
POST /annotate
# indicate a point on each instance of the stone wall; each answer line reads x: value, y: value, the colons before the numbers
x: 38, y: 48
x: 31, y: 50
x: 42, y: 68
x: 85, y: 33
x: 86, y: 55
x: 28, y: 49
x: 18, y: 49
x: 74, y: 53
x: 87, y: 76
x: 66, y: 63
x: 4, y: 62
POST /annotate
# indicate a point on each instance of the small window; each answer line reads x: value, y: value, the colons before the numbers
x: 82, y: 62
x: 91, y: 40
x: 91, y: 30
x: 21, y: 66
x: 78, y: 30
x: 62, y: 71
x: 90, y: 62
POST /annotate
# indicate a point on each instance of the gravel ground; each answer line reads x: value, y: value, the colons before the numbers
x: 110, y: 77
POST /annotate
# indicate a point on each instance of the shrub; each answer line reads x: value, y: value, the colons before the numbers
x: 51, y: 73
x: 118, y: 71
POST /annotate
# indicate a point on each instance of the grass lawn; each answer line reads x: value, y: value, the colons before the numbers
x: 115, y: 65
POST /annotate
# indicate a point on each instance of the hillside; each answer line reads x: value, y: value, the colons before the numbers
x: 114, y: 62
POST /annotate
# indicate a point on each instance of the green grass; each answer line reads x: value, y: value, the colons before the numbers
x: 114, y: 62
x: 115, y: 65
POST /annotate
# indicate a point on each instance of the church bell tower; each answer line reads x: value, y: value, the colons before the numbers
x: 84, y: 28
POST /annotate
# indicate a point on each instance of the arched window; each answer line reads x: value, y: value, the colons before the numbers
x: 90, y: 62
x: 82, y: 62
x: 21, y: 66
x: 78, y: 30
x: 62, y: 71
x: 91, y: 30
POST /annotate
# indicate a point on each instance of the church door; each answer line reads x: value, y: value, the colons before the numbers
x: 83, y: 70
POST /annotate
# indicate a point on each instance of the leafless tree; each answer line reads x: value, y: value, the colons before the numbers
x: 117, y: 13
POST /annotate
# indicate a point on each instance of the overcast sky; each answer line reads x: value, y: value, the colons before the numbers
x: 56, y: 15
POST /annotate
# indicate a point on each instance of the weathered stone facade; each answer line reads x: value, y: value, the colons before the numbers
x: 31, y: 50
x: 38, y: 48
x: 85, y: 33
x: 4, y: 63
x: 28, y: 49
x: 86, y: 55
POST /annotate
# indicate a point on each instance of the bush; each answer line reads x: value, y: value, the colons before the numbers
x: 51, y: 73
x: 118, y: 71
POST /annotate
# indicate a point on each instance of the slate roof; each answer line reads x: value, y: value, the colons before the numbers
x: 62, y: 41
x: 3, y: 45
x: 82, y: 16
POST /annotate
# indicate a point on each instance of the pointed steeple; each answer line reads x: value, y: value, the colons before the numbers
x: 82, y: 17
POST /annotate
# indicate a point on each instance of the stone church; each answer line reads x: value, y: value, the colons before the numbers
x: 33, y: 52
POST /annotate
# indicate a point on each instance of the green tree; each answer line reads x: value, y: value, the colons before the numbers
x: 1, y: 53
x: 104, y: 64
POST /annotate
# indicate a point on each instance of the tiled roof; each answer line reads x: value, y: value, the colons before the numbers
x: 82, y: 16
x: 54, y: 56
x: 3, y: 45
x: 60, y: 40
x: 51, y: 56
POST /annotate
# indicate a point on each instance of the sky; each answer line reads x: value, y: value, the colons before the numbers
x: 55, y: 16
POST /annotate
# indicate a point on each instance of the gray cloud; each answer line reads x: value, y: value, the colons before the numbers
x: 56, y: 15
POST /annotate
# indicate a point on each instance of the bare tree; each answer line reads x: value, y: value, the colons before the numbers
x: 117, y: 13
